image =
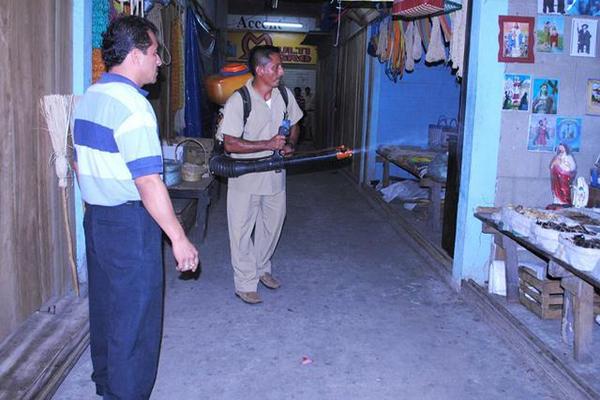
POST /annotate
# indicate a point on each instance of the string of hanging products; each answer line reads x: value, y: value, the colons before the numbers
x: 399, y: 42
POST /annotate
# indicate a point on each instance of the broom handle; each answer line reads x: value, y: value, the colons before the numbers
x: 74, y: 277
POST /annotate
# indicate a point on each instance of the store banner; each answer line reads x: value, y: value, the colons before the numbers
x: 239, y: 45
x: 238, y: 22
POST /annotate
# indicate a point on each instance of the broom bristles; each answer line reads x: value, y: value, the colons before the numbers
x: 56, y: 109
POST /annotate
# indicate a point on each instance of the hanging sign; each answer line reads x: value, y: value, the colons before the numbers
x: 239, y: 45
x: 270, y: 23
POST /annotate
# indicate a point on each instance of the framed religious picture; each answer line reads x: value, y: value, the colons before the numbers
x: 515, y: 39
x: 593, y: 97
x: 568, y: 131
x: 517, y: 90
x: 552, y: 6
x: 582, y: 7
x: 544, y: 99
x: 542, y: 133
x: 583, y: 37
x: 550, y: 34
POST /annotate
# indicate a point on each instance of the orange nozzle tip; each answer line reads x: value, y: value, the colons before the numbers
x: 344, y: 154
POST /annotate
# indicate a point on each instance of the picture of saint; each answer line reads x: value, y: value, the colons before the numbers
x: 516, y: 36
x: 583, y: 37
x: 552, y: 6
x: 550, y: 34
x: 545, y: 96
x: 569, y: 7
x: 593, y: 97
x: 516, y: 92
x: 579, y: 7
x: 542, y: 133
x: 516, y: 39
x: 568, y: 131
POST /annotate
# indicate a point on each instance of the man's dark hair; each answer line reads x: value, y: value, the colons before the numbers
x: 123, y: 35
x: 261, y: 55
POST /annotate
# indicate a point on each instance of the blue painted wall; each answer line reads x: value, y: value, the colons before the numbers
x: 481, y: 141
x: 407, y: 107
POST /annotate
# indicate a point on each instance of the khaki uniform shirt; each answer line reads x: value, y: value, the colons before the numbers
x: 263, y: 123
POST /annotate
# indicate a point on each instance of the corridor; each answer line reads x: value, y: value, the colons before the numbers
x: 359, y: 316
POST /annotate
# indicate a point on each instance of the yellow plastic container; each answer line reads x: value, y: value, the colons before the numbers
x: 220, y: 87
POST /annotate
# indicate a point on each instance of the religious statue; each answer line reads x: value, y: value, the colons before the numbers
x: 562, y: 172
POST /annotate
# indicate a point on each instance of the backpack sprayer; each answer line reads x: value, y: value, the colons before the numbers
x: 220, y: 88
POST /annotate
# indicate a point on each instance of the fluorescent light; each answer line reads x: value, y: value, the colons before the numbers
x: 269, y: 24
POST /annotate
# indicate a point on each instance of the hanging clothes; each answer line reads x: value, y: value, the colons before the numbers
x: 395, y: 65
x: 373, y: 40
x: 194, y: 74
x: 436, y: 51
x: 417, y: 50
x: 409, y: 44
x: 457, y: 44
x: 446, y: 25
x: 177, y: 78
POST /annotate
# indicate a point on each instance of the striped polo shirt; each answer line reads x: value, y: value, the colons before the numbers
x: 116, y: 141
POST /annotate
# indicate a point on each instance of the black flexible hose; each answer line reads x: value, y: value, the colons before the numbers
x: 228, y: 167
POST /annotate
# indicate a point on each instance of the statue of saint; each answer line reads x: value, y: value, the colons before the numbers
x: 562, y: 172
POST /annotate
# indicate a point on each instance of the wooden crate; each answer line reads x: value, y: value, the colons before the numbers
x: 542, y: 297
x: 545, y: 297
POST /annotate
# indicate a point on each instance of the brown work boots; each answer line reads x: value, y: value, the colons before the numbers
x: 249, y: 297
x: 252, y: 297
x: 270, y: 282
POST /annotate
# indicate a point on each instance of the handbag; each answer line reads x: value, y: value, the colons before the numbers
x: 417, y: 8
x: 438, y: 133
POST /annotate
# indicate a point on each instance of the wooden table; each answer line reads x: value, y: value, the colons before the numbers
x: 202, y: 190
x: 578, y: 305
x: 402, y: 159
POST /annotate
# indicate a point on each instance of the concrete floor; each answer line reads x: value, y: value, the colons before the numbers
x: 356, y: 300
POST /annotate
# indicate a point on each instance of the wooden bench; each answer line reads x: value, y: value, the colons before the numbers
x: 187, y: 194
x: 435, y: 186
x: 578, y: 303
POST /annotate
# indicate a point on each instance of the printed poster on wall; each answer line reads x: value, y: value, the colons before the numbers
x: 550, y: 34
x: 542, y: 133
x: 545, y: 96
x: 568, y: 131
x: 239, y: 45
x: 516, y: 92
x: 583, y: 37
x: 593, y: 97
x: 569, y: 7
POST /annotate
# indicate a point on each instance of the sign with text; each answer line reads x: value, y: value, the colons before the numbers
x: 239, y: 45
x: 257, y: 23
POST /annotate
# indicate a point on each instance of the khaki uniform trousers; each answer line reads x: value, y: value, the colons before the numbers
x: 265, y: 215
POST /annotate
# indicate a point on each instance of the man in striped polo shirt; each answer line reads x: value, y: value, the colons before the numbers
x: 119, y: 162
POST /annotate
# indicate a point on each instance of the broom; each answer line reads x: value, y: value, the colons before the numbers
x: 57, y: 109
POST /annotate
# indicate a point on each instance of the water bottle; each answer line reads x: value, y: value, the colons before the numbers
x: 594, y: 177
x: 284, y: 129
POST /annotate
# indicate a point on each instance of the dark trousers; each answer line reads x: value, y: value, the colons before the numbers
x: 124, y: 258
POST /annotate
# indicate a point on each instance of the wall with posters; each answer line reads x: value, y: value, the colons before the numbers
x: 555, y: 92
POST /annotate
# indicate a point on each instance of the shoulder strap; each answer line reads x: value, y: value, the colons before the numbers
x: 284, y: 95
x: 247, y: 103
x: 243, y: 91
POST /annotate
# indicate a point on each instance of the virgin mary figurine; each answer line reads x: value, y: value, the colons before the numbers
x: 562, y: 172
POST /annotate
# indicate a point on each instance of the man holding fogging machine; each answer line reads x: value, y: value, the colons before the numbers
x: 257, y: 201
x: 118, y: 162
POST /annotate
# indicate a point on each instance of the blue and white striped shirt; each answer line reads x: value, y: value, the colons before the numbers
x: 116, y: 141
